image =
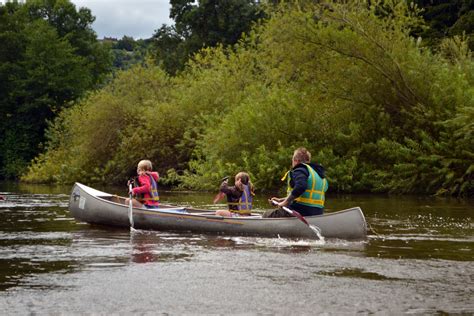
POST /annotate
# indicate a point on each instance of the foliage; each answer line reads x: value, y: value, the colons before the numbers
x: 450, y: 18
x: 198, y: 24
x: 99, y: 140
x: 128, y: 52
x: 49, y: 57
x: 348, y: 81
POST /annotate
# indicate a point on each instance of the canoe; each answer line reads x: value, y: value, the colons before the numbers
x: 95, y: 207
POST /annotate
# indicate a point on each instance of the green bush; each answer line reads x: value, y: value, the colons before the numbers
x: 377, y: 109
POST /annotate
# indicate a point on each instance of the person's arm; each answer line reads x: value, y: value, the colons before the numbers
x: 232, y: 192
x: 300, y: 179
x: 225, y: 188
x: 155, y: 175
x: 145, y: 185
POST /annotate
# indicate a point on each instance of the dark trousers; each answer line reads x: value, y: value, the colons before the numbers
x: 300, y: 208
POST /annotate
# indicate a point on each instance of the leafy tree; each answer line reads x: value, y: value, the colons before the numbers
x: 169, y: 49
x: 447, y: 18
x: 128, y: 52
x: 74, y: 25
x: 204, y: 23
x: 48, y: 58
x: 126, y: 43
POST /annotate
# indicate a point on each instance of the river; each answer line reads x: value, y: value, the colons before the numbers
x: 417, y: 259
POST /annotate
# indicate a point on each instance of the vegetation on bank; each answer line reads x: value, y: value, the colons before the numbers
x: 381, y: 111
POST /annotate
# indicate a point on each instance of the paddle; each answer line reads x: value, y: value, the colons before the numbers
x: 130, y: 206
x: 292, y: 212
x: 2, y: 198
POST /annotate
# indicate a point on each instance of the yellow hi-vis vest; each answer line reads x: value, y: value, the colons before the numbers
x: 314, y: 195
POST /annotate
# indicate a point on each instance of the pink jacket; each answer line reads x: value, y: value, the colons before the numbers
x: 145, y: 187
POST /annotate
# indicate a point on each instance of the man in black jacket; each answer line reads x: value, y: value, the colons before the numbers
x: 307, y: 185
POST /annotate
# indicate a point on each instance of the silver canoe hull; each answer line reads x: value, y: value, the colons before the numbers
x: 95, y: 207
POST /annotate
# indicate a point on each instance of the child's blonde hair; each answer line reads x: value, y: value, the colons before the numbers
x: 145, y: 165
x: 245, y: 179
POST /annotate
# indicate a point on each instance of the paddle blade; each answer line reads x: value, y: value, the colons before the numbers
x: 219, y: 196
x: 296, y: 214
x: 300, y: 217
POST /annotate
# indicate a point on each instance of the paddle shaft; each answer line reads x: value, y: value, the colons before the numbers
x: 130, y: 206
x: 293, y: 213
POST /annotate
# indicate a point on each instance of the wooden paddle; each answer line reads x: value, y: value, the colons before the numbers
x: 293, y: 213
x: 130, y: 206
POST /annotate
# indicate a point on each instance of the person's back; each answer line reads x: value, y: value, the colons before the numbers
x: 308, y: 184
x: 306, y: 187
x: 147, y: 189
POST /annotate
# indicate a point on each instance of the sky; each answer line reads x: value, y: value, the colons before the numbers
x: 136, y: 18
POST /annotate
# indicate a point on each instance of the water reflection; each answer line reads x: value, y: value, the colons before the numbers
x: 146, y: 248
x: 357, y: 273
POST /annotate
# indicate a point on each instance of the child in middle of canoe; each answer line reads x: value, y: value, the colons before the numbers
x: 147, y: 188
x: 239, y: 196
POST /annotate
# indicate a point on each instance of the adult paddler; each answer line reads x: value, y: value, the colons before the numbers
x: 306, y: 187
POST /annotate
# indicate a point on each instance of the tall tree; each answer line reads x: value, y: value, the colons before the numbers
x: 202, y: 23
x: 48, y: 58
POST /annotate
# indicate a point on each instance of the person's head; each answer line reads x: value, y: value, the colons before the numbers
x: 301, y: 155
x: 243, y: 178
x: 144, y: 166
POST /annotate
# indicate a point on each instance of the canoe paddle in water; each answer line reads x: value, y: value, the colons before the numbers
x: 130, y: 206
x: 292, y: 213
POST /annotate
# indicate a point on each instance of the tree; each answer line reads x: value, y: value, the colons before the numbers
x: 447, y: 18
x: 49, y: 57
x: 204, y: 23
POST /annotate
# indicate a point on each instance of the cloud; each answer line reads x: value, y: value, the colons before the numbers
x: 116, y: 18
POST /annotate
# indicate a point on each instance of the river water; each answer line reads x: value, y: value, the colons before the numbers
x: 417, y: 259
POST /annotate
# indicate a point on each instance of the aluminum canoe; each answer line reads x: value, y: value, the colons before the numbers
x: 95, y: 207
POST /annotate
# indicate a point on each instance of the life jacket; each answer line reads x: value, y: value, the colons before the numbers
x: 155, y: 197
x: 316, y: 187
x: 244, y: 206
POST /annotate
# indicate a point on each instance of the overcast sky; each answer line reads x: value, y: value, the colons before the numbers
x: 137, y: 18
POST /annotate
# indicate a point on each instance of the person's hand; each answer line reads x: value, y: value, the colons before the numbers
x: 283, y: 203
x: 275, y: 200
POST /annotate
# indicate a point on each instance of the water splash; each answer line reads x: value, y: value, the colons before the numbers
x: 318, y: 233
